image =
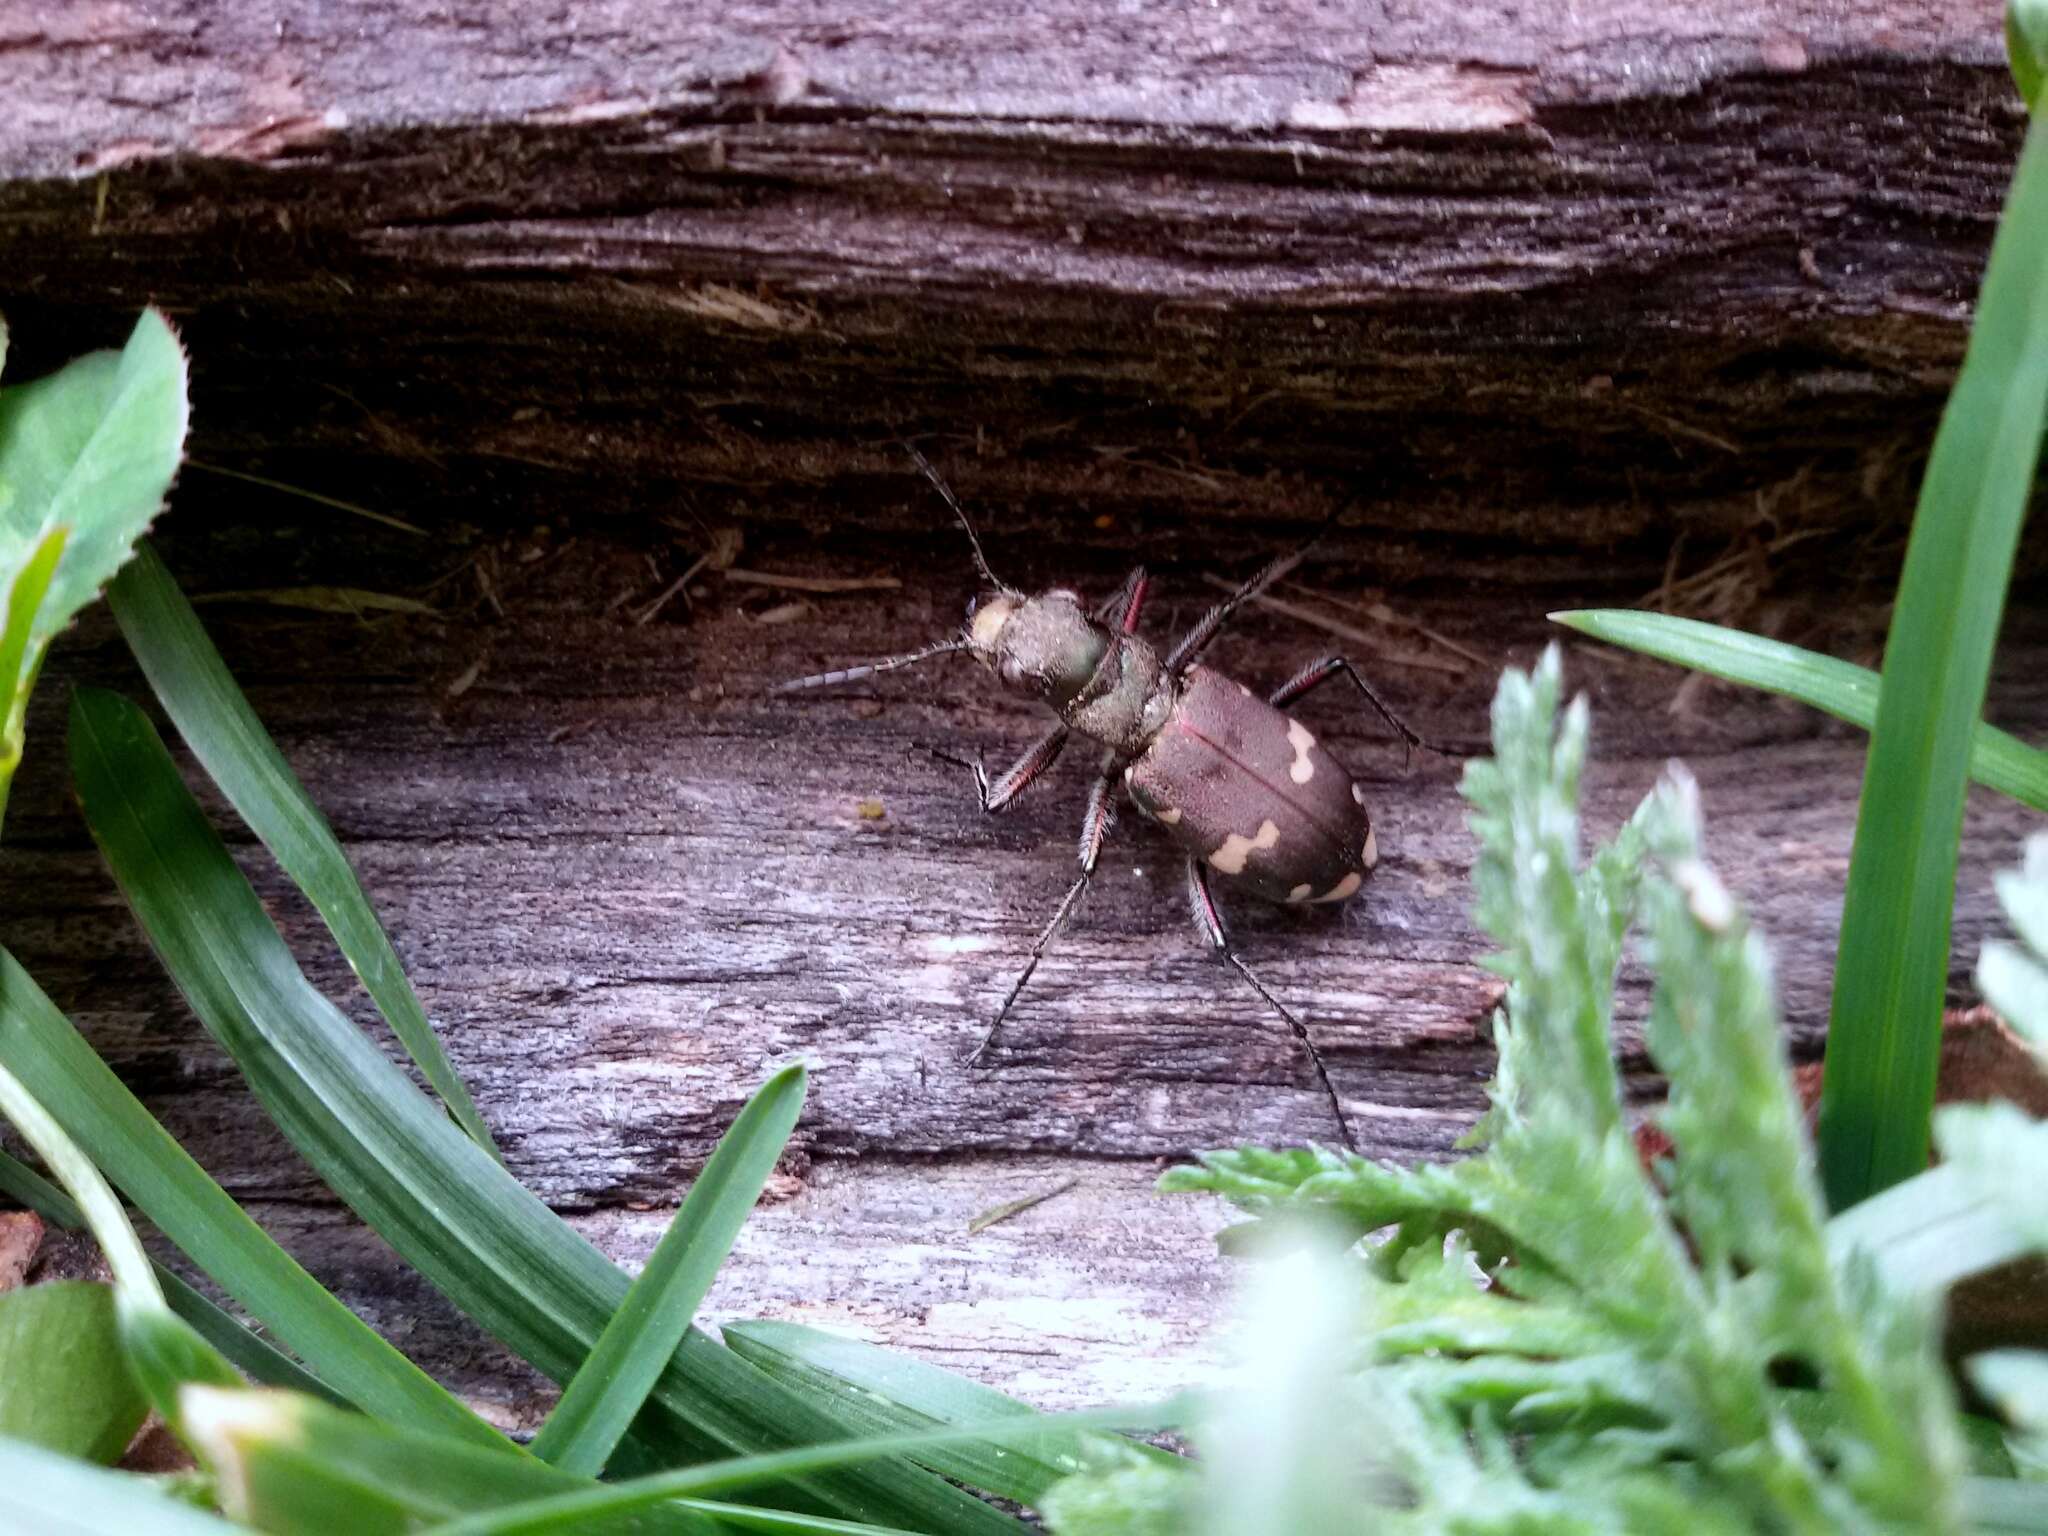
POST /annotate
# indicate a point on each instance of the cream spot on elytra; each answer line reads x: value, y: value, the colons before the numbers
x: 1344, y: 889
x: 1301, y: 770
x: 1237, y: 847
x: 1357, y: 793
x: 1168, y: 817
x: 1300, y: 892
x: 1371, y: 851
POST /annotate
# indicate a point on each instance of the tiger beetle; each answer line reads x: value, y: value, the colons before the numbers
x: 1243, y: 788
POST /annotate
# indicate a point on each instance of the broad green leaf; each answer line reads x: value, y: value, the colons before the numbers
x: 884, y: 1391
x: 287, y: 1463
x: 1891, y: 967
x: 452, y: 1211
x: 91, y: 449
x: 253, y: 1355
x: 613, y: 1382
x: 63, y: 1382
x: 214, y: 717
x: 1839, y: 688
x: 56, y: 1065
x: 52, y: 1495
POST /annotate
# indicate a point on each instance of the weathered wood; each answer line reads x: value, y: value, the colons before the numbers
x: 628, y: 882
x: 1525, y: 310
x: 1625, y: 249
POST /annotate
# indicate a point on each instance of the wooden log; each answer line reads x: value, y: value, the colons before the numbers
x: 1522, y: 315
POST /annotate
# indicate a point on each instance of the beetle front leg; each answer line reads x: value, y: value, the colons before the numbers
x: 1209, y: 922
x: 996, y: 794
x: 1095, y: 824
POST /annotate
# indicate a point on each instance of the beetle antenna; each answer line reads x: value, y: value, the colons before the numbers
x: 870, y: 668
x: 973, y: 538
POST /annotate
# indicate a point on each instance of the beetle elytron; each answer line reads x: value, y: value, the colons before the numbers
x: 1243, y: 788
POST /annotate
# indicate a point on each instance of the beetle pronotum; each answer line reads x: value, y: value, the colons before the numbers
x: 1243, y: 788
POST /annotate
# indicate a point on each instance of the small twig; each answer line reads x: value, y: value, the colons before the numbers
x: 1342, y: 630
x: 813, y: 583
x: 1009, y: 1208
x: 300, y: 491
x: 1385, y: 614
x: 671, y: 590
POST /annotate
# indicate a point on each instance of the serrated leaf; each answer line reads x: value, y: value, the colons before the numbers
x: 91, y: 448
x: 64, y: 1382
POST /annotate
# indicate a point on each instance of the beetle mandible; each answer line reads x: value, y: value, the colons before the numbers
x: 1243, y: 788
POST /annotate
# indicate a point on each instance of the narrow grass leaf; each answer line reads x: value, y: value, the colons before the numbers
x: 1839, y: 688
x: 613, y: 1382
x: 287, y: 1463
x: 214, y: 717
x: 256, y: 1356
x: 56, y: 1064
x: 53, y: 1495
x: 445, y: 1204
x: 563, y: 1514
x: 885, y: 1391
x: 1891, y: 970
x: 746, y: 1517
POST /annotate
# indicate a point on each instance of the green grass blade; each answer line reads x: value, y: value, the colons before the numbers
x: 746, y: 1517
x: 18, y: 667
x: 610, y: 1386
x: 563, y: 1514
x: 885, y: 1391
x: 445, y: 1204
x: 53, y: 1495
x: 1839, y: 688
x: 288, y: 1463
x: 257, y: 1357
x: 214, y: 717
x: 55, y: 1064
x: 1891, y: 969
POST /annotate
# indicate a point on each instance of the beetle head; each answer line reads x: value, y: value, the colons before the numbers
x: 1043, y: 646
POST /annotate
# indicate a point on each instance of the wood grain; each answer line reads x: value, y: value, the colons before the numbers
x: 1521, y: 308
x: 629, y: 882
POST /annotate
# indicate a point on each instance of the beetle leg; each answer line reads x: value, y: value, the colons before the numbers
x: 1095, y: 824
x: 1127, y: 602
x: 1317, y: 673
x: 1209, y: 922
x: 996, y: 794
x: 1195, y: 640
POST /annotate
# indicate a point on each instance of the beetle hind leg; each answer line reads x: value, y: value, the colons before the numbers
x: 1209, y: 922
x: 1320, y: 671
